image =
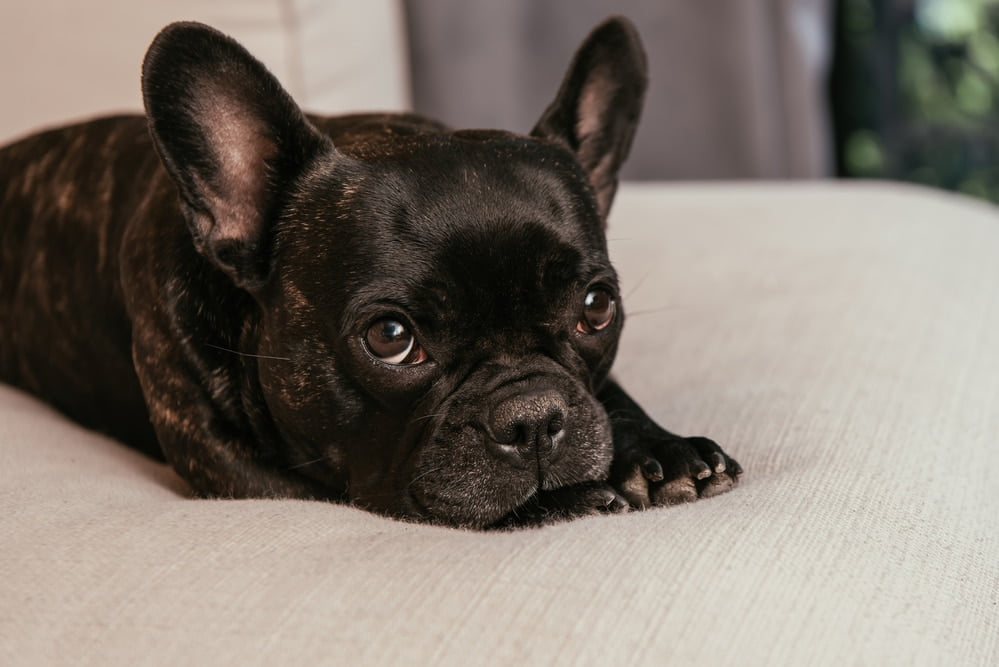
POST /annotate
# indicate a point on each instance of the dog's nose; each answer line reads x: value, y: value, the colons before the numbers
x: 529, y: 424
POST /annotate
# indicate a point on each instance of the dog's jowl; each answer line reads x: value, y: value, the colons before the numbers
x: 372, y: 308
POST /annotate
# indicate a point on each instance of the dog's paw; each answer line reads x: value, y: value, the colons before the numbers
x: 566, y: 503
x: 669, y: 470
x: 582, y: 499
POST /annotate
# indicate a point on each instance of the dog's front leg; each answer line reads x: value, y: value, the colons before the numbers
x: 208, y: 445
x: 655, y: 467
x: 226, y: 467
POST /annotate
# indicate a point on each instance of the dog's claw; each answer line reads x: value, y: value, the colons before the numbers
x: 603, y: 497
x: 652, y: 470
x: 616, y: 504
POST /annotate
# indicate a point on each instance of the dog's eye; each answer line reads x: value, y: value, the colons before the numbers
x: 391, y: 342
x: 599, y: 309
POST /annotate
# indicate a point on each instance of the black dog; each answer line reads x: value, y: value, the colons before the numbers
x: 367, y: 308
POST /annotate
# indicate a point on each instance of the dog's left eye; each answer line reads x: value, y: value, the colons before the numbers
x: 599, y: 309
x: 391, y: 342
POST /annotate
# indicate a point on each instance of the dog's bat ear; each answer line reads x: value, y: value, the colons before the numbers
x: 596, y: 110
x: 231, y: 138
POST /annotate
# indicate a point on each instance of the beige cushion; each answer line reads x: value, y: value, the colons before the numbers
x: 63, y: 60
x: 840, y: 340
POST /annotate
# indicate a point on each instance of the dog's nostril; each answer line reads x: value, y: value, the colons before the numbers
x: 530, y: 421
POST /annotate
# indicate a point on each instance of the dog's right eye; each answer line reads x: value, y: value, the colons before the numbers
x: 599, y: 309
x: 391, y: 342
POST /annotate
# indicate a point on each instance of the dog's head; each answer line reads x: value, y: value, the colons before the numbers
x: 436, y: 309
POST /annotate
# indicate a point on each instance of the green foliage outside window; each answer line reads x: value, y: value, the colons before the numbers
x: 916, y: 92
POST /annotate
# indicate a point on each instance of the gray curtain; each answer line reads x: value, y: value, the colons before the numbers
x: 737, y: 87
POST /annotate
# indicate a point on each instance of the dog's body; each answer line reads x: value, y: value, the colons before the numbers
x: 365, y: 308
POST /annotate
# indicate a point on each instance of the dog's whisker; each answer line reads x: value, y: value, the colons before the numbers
x: 246, y: 354
x: 638, y: 284
x: 424, y: 474
x: 426, y: 417
x: 307, y: 463
x: 651, y: 311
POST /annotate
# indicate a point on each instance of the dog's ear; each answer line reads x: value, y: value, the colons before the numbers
x: 231, y: 138
x: 596, y: 110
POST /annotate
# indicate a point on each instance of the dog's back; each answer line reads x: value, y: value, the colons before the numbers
x: 65, y: 198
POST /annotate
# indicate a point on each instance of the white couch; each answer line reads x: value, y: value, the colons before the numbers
x: 839, y: 339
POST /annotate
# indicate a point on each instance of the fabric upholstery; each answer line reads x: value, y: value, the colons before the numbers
x: 839, y: 340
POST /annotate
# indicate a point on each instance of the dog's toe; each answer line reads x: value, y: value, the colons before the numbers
x: 675, y: 492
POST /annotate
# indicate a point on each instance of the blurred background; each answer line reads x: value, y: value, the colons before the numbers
x: 740, y: 89
x: 914, y: 92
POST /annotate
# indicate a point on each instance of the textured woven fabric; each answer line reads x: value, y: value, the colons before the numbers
x: 839, y: 340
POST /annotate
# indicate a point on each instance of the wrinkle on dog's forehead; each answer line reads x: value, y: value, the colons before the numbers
x: 512, y: 259
x: 443, y: 181
x: 493, y: 224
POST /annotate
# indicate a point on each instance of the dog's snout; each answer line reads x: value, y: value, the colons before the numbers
x: 529, y: 424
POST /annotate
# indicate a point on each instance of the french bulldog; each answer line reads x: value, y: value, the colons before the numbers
x: 371, y: 309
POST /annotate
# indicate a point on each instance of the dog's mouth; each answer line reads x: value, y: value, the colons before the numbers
x: 466, y: 477
x: 495, y: 442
